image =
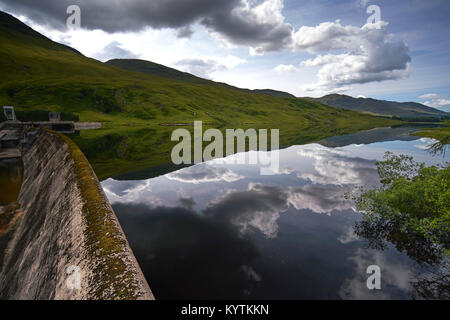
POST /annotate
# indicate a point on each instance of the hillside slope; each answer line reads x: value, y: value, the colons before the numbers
x: 39, y: 74
x: 405, y: 110
x: 156, y: 69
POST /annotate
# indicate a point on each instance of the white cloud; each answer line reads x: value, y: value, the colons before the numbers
x: 319, y: 199
x: 437, y: 101
x: 370, y: 55
x: 429, y: 96
x: 205, y: 67
x: 259, y: 25
x: 282, y: 68
x: 333, y: 167
x: 202, y: 173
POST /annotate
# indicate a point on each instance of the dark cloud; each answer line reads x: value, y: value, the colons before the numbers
x: 185, y: 32
x: 187, y: 203
x: 258, y: 208
x: 248, y: 30
x: 260, y: 26
x: 130, y: 15
x: 114, y: 51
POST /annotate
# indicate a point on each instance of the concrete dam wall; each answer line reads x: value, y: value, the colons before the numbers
x: 67, y: 242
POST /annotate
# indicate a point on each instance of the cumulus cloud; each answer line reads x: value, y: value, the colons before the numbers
x: 260, y: 207
x: 437, y: 101
x: 333, y: 167
x: 370, y: 55
x: 282, y: 68
x: 319, y: 199
x: 204, y: 67
x: 202, y: 173
x: 366, y: 54
x: 259, y: 26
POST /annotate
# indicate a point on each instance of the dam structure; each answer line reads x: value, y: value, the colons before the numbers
x: 64, y: 239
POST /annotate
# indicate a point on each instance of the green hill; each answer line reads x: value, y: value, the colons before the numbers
x: 156, y: 69
x: 404, y: 110
x: 39, y: 74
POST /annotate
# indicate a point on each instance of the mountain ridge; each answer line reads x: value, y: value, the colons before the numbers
x: 38, y: 74
x: 153, y: 68
x: 403, y: 110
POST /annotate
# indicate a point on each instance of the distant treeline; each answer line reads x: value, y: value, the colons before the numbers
x: 39, y: 115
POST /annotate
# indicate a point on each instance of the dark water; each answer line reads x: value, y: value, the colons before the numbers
x: 221, y: 230
x: 11, y: 174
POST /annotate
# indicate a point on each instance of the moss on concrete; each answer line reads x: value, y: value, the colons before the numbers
x: 104, y: 239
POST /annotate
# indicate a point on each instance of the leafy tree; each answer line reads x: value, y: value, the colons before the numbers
x: 410, y: 208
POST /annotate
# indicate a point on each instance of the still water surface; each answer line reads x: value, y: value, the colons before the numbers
x: 220, y: 230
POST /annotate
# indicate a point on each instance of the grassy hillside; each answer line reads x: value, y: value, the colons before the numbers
x: 404, y: 110
x: 37, y: 74
x: 156, y: 69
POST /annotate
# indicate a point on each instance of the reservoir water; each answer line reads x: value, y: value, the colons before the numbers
x: 219, y: 230
x: 11, y: 175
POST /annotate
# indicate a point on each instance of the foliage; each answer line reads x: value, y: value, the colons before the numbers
x: 411, y: 208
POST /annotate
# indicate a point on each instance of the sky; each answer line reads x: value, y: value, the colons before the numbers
x: 385, y: 49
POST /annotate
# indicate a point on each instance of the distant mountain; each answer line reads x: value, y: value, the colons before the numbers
x: 404, y: 110
x: 38, y: 75
x: 402, y: 133
x: 156, y: 69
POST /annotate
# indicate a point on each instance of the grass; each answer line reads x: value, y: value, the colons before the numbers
x: 441, y: 134
x: 38, y: 74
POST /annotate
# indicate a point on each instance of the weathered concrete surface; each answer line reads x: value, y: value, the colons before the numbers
x: 12, y: 153
x: 87, y: 125
x: 61, y: 226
